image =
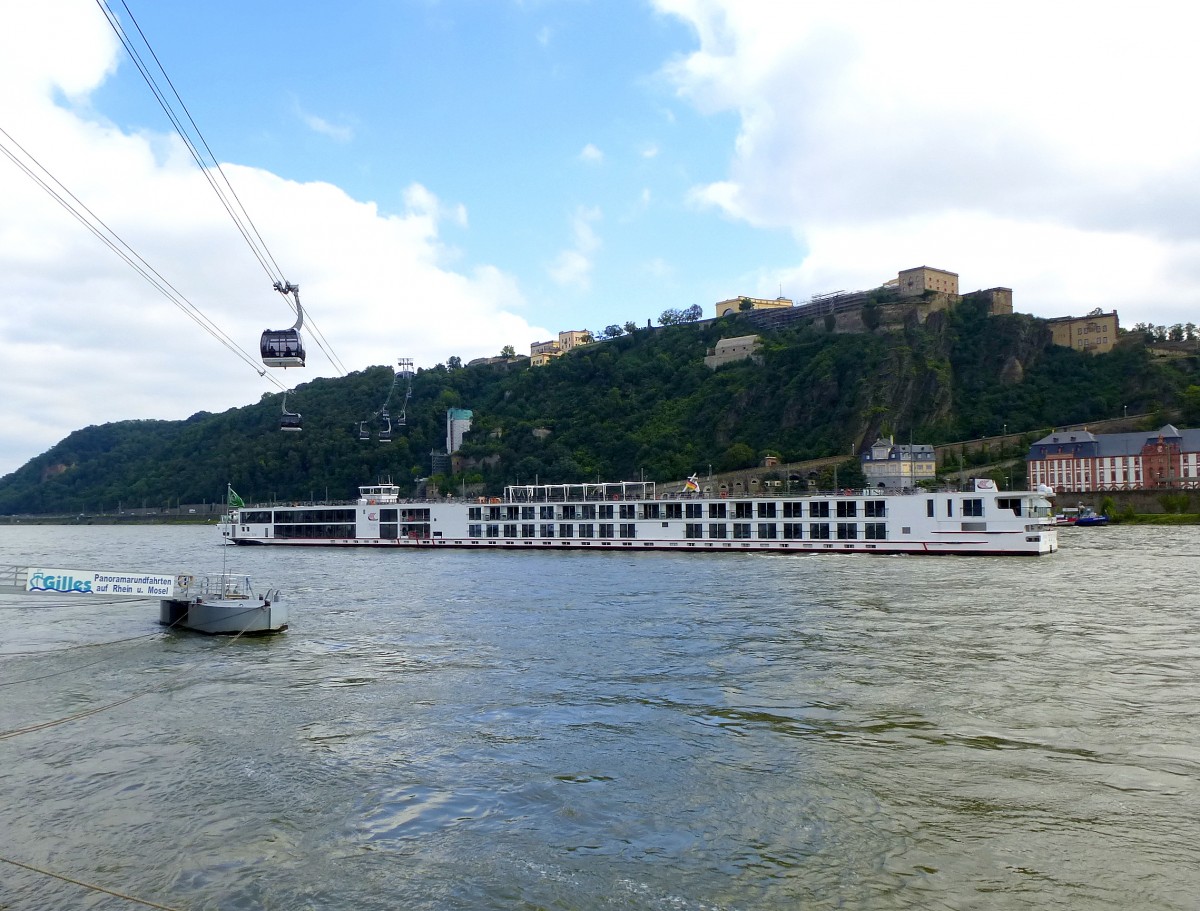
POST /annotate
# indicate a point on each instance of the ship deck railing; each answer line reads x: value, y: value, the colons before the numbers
x: 612, y: 491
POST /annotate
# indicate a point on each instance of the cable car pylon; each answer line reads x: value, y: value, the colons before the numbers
x: 386, y: 420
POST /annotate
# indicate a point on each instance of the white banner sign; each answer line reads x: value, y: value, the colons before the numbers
x: 90, y: 582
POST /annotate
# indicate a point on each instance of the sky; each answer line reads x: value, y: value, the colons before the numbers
x: 446, y: 177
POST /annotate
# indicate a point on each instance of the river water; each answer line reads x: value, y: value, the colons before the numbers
x: 576, y: 731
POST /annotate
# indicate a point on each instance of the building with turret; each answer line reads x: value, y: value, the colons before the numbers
x: 1078, y: 460
x: 887, y: 464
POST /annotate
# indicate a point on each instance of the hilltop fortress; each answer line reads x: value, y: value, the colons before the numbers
x: 912, y: 294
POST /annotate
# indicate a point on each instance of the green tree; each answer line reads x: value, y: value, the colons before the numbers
x: 508, y: 351
x: 739, y: 455
x: 630, y: 327
x: 670, y: 317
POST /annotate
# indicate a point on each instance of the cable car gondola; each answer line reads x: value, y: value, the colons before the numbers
x: 289, y: 421
x: 386, y: 420
x: 284, y: 347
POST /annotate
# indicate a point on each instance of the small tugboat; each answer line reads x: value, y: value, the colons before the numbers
x: 1088, y: 517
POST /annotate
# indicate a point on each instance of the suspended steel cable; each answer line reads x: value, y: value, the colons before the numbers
x: 213, y: 158
x: 40, y: 175
x: 238, y: 213
x: 227, y: 196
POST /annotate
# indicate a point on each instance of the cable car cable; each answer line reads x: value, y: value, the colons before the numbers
x: 106, y: 235
x: 242, y: 221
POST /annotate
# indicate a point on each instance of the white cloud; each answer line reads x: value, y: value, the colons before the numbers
x: 650, y: 150
x: 1058, y: 135
x: 591, y: 155
x: 573, y: 267
x: 324, y: 127
x: 87, y: 341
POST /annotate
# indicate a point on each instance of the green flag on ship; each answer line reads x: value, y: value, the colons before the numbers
x: 234, y: 499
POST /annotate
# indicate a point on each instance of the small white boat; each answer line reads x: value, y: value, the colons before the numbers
x: 223, y: 604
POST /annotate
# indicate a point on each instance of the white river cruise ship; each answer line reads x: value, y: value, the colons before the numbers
x: 630, y: 515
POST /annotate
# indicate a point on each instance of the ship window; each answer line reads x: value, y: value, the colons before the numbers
x: 606, y: 512
x: 587, y: 531
x: 875, y: 531
x: 875, y: 509
x: 766, y: 510
x: 671, y: 511
x: 475, y: 531
x: 743, y: 510
x: 767, y: 529
x: 527, y: 531
x: 819, y: 531
x: 510, y: 530
x: 606, y: 531
x: 693, y: 530
x: 972, y: 507
x: 793, y: 531
x: 819, y: 509
x: 493, y: 531
x: 847, y: 531
x: 929, y: 508
x: 527, y: 513
x: 588, y: 511
x: 949, y: 508
x: 741, y: 530
x: 716, y: 511
x: 628, y: 530
x: 847, y: 509
x: 717, y: 530
x: 566, y: 530
x: 1013, y: 503
x: 628, y: 511
x: 547, y: 531
x: 545, y: 512
x: 793, y: 509
x: 694, y: 510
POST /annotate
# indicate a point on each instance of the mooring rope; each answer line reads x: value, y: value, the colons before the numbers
x: 87, y: 885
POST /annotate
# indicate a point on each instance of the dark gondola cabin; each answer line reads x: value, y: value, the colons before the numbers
x: 288, y: 420
x: 282, y: 348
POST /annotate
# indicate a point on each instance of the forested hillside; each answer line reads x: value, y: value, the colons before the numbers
x: 643, y: 402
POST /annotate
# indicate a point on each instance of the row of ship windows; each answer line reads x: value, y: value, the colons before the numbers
x: 791, y: 531
x: 329, y: 516
x: 736, y: 510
